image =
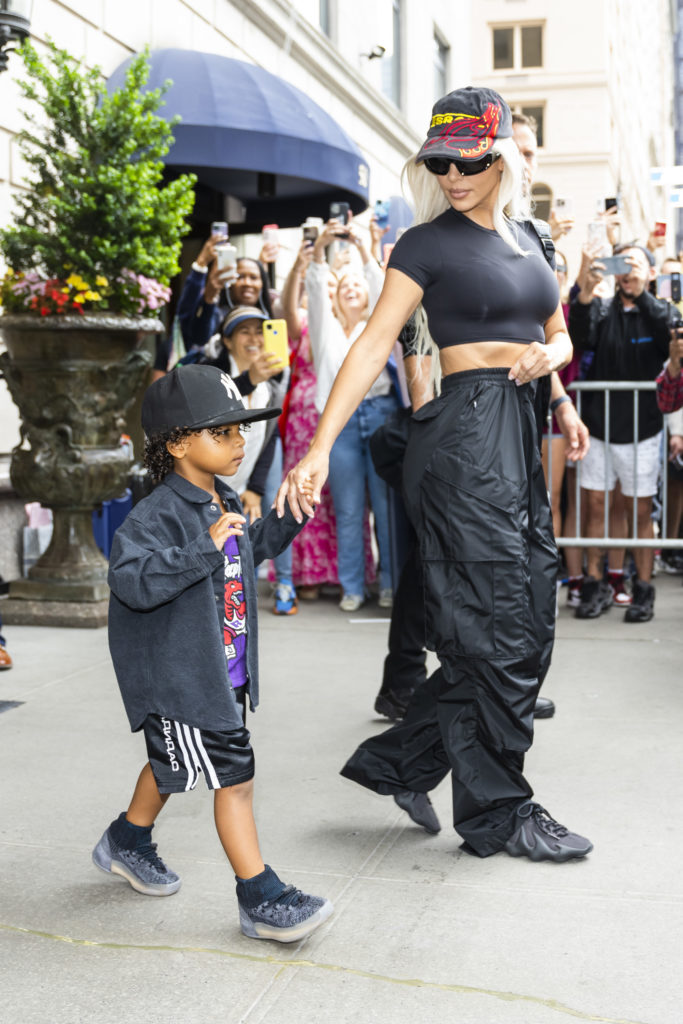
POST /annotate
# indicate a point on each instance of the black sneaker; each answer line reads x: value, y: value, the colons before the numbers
x: 540, y: 837
x: 419, y: 809
x: 289, y: 917
x: 544, y: 708
x: 596, y: 598
x: 390, y: 707
x: 143, y: 868
x: 642, y: 606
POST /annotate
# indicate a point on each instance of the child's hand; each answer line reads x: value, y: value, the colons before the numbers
x: 229, y: 525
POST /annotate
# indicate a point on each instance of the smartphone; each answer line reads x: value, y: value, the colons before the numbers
x: 275, y: 339
x: 660, y: 229
x: 564, y: 207
x: 220, y: 228
x: 340, y: 212
x: 597, y: 234
x: 310, y: 233
x: 270, y: 234
x: 614, y: 264
x: 382, y: 213
x: 675, y: 286
x: 226, y: 257
x: 611, y: 203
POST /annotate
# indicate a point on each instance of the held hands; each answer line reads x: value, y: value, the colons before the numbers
x: 574, y: 430
x: 229, y: 525
x: 302, y: 486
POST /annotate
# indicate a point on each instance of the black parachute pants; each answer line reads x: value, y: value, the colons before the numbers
x: 476, y: 496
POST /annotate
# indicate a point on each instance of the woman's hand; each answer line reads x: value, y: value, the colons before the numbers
x: 217, y: 280
x: 589, y: 275
x: 303, y: 484
x: 251, y: 505
x: 229, y: 525
x: 332, y: 230
x: 537, y: 361
x: 265, y: 366
x: 574, y: 431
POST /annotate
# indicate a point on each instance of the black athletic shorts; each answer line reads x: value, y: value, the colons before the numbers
x: 178, y: 753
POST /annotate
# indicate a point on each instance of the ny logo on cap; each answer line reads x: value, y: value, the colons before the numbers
x: 231, y: 388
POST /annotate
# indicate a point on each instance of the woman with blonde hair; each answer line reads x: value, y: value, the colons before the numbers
x: 490, y: 324
x: 333, y: 327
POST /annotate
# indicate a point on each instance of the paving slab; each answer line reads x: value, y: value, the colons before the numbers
x: 421, y: 930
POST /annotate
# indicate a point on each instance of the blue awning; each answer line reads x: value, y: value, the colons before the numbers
x: 250, y: 134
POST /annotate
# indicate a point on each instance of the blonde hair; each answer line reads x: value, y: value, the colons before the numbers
x: 429, y: 202
x: 336, y: 305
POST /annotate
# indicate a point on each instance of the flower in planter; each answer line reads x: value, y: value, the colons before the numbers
x: 96, y: 229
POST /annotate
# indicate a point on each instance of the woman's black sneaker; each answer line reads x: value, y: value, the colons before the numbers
x: 539, y: 837
x: 596, y: 598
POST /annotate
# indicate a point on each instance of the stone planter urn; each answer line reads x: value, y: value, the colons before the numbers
x: 72, y: 379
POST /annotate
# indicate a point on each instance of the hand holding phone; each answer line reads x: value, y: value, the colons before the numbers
x: 275, y: 341
x: 613, y: 265
x: 219, y: 230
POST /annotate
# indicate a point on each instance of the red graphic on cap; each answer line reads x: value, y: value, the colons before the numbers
x: 467, y: 135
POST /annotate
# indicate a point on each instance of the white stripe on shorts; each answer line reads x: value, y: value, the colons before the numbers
x: 192, y: 773
x: 207, y: 761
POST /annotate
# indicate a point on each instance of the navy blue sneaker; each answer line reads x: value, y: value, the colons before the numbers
x: 285, y: 599
x: 142, y: 867
x: 289, y: 917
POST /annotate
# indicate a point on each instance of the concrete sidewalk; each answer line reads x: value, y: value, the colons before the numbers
x: 421, y: 931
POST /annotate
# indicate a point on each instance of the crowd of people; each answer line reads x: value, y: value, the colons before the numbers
x: 490, y: 339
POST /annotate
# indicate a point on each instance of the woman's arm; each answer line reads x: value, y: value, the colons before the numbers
x: 539, y: 360
x: 291, y: 293
x: 364, y: 362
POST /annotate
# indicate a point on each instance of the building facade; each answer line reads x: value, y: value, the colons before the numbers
x: 598, y: 77
x: 375, y: 66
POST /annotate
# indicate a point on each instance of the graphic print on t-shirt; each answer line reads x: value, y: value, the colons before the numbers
x: 234, y: 615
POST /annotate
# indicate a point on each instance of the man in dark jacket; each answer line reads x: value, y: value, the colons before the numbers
x: 630, y: 337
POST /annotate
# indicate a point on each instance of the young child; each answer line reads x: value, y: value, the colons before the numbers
x: 183, y: 639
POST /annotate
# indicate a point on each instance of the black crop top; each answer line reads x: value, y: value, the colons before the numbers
x: 476, y: 288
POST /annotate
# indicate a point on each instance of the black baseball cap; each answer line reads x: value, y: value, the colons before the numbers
x: 465, y: 124
x: 194, y: 397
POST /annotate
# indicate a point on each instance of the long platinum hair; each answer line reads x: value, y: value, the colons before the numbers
x: 429, y: 201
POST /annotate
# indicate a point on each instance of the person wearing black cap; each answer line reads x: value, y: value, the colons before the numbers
x: 630, y: 336
x: 472, y: 480
x: 183, y: 639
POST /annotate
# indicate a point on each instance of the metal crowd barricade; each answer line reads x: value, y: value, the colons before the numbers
x: 578, y: 540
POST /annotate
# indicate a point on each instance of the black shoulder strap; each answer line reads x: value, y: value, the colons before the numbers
x: 542, y: 229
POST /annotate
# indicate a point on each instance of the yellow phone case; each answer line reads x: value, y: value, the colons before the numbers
x: 275, y: 339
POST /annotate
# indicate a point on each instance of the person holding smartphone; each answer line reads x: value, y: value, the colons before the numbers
x: 488, y: 327
x: 629, y: 337
x: 333, y: 327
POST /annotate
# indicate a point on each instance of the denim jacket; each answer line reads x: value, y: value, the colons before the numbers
x: 166, y: 606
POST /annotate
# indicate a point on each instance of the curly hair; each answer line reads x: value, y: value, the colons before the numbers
x: 157, y: 457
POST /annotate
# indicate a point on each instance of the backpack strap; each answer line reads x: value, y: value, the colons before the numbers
x: 542, y: 230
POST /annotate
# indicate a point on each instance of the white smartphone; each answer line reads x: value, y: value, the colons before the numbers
x: 564, y: 207
x: 226, y: 257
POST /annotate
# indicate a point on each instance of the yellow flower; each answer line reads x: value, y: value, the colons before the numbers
x: 77, y: 282
x: 79, y: 298
x: 65, y: 291
x: 93, y: 296
x: 101, y: 282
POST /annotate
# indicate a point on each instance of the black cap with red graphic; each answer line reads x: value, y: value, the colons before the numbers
x: 465, y: 124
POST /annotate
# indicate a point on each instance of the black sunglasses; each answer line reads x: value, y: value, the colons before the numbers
x: 441, y: 165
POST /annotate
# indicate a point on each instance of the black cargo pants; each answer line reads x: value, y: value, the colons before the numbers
x: 476, y: 496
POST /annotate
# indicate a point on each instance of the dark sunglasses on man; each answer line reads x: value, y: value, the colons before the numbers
x: 441, y: 165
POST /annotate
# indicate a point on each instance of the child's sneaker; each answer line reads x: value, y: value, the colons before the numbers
x: 141, y: 867
x: 287, y: 918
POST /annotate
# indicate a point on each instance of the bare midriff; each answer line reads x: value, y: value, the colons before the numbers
x: 480, y: 355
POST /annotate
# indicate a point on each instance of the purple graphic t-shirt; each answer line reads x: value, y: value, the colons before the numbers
x: 234, y: 615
